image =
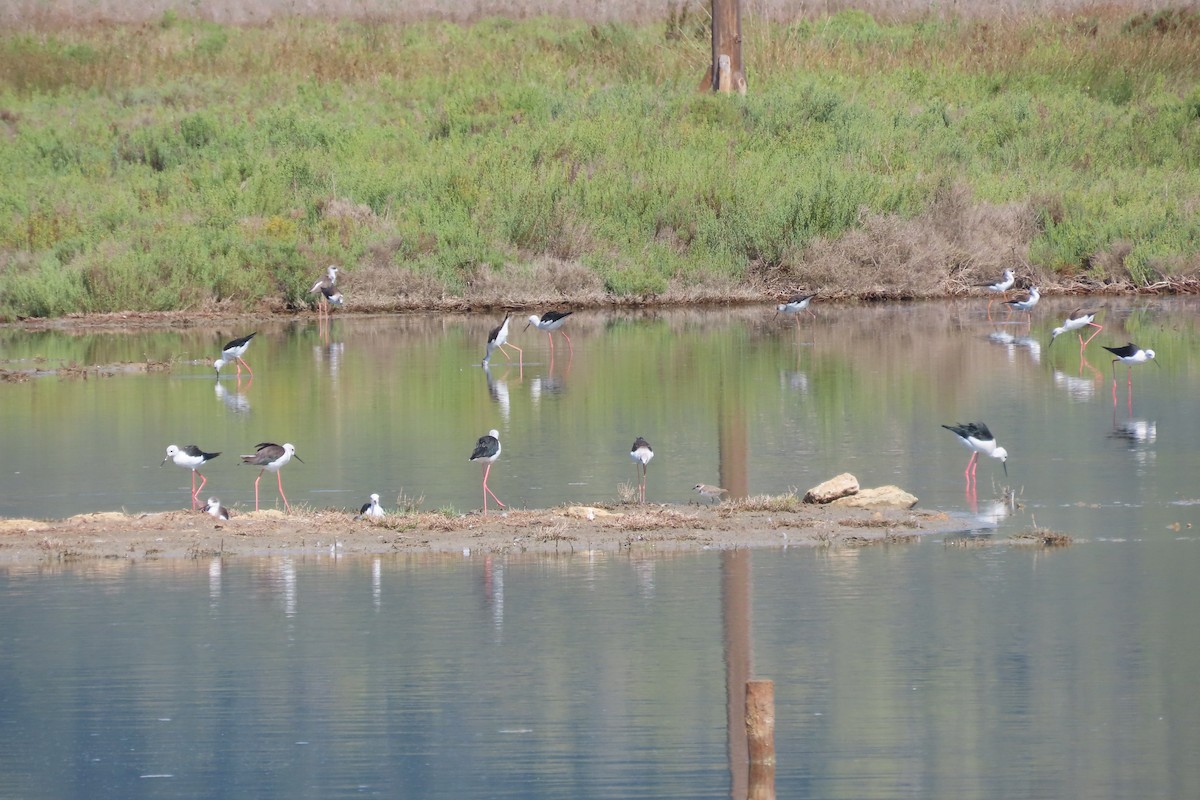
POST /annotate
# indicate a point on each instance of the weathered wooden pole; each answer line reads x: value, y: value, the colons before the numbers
x: 726, y: 72
x: 760, y: 739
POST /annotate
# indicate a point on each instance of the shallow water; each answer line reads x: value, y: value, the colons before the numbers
x: 734, y: 397
x: 928, y: 670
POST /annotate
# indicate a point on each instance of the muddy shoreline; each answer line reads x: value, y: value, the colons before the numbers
x: 565, y: 530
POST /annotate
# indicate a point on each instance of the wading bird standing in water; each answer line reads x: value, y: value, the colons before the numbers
x: 641, y: 453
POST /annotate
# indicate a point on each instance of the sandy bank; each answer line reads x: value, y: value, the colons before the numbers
x: 570, y: 529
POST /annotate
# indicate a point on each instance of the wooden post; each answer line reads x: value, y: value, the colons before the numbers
x: 760, y: 721
x: 760, y: 739
x: 726, y: 72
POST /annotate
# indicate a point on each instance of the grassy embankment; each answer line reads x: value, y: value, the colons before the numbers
x: 183, y: 165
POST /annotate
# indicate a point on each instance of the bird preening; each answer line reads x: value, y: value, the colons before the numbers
x: 214, y: 509
x: 487, y: 450
x: 371, y: 509
x: 641, y: 453
x: 327, y: 291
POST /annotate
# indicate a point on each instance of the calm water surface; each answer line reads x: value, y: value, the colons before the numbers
x: 928, y: 670
x: 394, y: 405
x: 935, y: 670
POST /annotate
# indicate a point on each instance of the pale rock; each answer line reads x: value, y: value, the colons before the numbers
x: 879, y: 497
x: 841, y: 486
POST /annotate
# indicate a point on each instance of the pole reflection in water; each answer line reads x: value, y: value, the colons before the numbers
x: 729, y: 399
x: 736, y: 626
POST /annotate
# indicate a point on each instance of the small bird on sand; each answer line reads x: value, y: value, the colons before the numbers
x: 714, y: 492
x: 214, y: 508
x: 371, y: 509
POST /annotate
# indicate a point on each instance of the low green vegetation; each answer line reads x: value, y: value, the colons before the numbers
x: 184, y: 165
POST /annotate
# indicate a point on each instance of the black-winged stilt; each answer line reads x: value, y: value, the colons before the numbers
x: 550, y: 322
x: 371, y: 509
x: 641, y: 453
x: 214, y: 508
x: 714, y: 492
x: 487, y: 450
x: 999, y: 287
x: 326, y: 290
x: 1128, y: 355
x: 1027, y: 303
x: 1077, y: 319
x: 976, y: 437
x: 271, y: 457
x: 232, y: 352
x: 498, y: 337
x: 794, y: 305
x: 190, y: 457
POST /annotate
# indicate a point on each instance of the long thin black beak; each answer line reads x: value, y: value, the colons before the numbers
x: 164, y: 461
x: 298, y: 458
x: 1005, y: 465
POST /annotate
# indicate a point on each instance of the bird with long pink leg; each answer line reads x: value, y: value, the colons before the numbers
x: 190, y: 457
x: 498, y: 338
x: 272, y: 458
x: 1128, y: 355
x: 232, y: 353
x: 550, y: 322
x: 976, y: 437
x: 487, y: 450
x: 1077, y: 319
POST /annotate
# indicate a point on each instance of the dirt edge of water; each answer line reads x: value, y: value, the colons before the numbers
x: 564, y: 530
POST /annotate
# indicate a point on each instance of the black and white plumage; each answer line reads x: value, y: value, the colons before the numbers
x: 371, y: 509
x: 1003, y: 285
x: 498, y: 337
x: 190, y: 457
x: 794, y: 305
x: 1129, y: 355
x: 1077, y: 319
x: 999, y: 287
x: 326, y: 290
x: 976, y: 437
x: 641, y: 453
x: 272, y: 458
x: 550, y: 322
x: 214, y: 509
x: 1026, y: 303
x: 487, y: 450
x: 232, y: 352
